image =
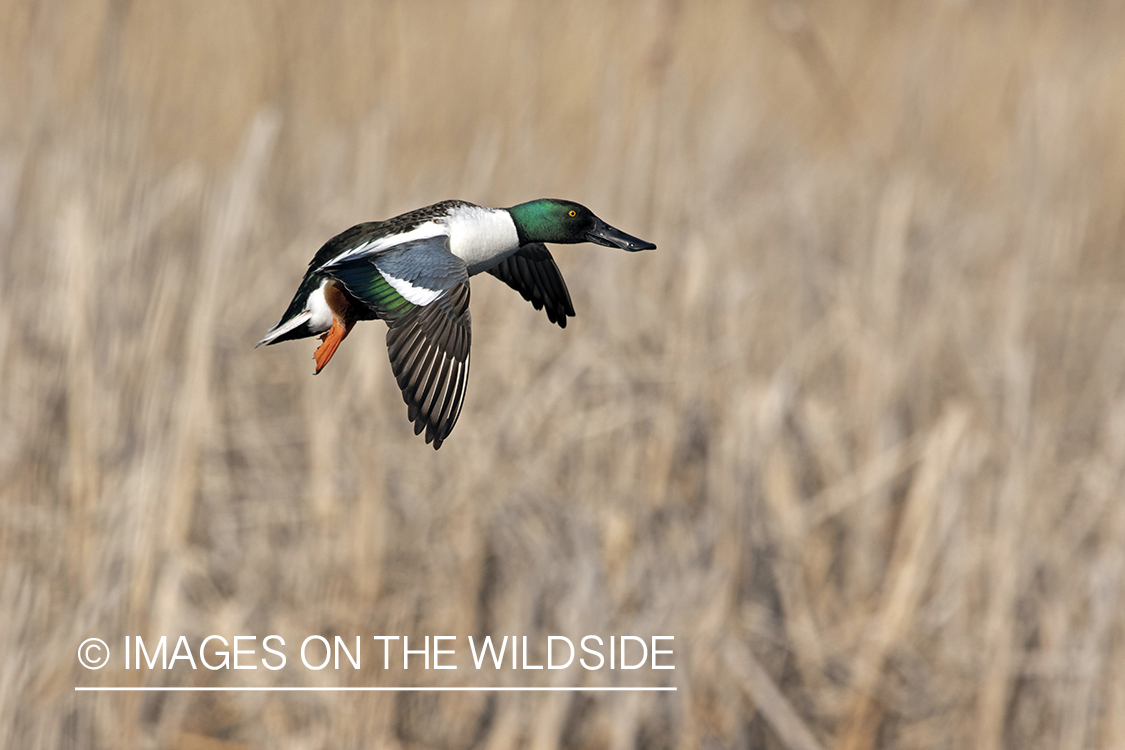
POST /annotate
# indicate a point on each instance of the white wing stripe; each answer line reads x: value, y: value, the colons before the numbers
x: 418, y: 295
x: 421, y: 232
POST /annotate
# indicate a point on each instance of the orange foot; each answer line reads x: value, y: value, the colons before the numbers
x: 337, y: 333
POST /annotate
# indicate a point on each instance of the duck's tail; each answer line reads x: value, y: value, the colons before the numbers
x: 296, y: 327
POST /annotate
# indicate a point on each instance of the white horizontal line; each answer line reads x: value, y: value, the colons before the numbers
x: 370, y: 689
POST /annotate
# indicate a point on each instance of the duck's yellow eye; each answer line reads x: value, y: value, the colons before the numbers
x: 573, y: 212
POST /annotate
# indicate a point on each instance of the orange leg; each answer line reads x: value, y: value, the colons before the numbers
x: 342, y: 323
x: 337, y: 333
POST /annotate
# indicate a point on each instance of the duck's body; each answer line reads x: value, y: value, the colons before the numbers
x: 413, y: 272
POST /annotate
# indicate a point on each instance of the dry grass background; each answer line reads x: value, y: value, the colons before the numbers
x: 854, y: 434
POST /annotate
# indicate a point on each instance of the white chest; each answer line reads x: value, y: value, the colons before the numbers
x: 481, y: 237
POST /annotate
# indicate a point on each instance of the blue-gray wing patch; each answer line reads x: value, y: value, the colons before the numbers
x: 393, y: 282
x: 424, y: 263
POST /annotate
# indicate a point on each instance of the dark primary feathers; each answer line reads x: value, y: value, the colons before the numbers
x: 532, y: 272
x: 429, y: 348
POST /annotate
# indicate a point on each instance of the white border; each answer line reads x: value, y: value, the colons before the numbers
x: 371, y: 689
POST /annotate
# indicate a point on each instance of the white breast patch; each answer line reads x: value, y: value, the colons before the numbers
x: 481, y: 237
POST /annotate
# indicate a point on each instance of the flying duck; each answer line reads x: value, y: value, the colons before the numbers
x: 413, y: 272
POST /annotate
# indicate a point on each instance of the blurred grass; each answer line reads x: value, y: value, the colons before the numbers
x: 854, y: 434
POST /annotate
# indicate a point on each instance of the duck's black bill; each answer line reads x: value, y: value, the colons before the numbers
x: 604, y: 234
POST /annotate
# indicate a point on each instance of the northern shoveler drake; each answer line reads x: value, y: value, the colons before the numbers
x: 413, y: 272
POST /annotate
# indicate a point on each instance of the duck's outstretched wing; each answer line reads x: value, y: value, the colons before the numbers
x: 532, y: 272
x: 429, y: 350
x: 422, y: 290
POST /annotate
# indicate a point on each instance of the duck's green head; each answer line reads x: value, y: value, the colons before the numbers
x: 552, y: 220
